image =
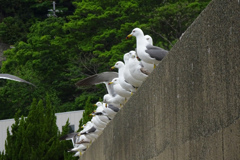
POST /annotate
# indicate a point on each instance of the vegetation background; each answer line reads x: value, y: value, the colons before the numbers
x: 54, y: 52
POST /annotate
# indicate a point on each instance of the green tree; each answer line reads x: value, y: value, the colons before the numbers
x: 37, y: 136
x: 58, y: 52
x: 20, y: 15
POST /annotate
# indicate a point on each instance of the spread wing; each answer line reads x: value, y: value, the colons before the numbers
x: 14, y: 78
x: 104, y: 77
x: 98, y: 78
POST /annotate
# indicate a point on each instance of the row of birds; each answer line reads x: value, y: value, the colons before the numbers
x: 120, y: 85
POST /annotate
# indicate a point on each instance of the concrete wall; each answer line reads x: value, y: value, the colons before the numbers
x: 189, y: 107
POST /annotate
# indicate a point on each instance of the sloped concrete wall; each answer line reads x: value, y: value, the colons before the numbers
x: 189, y: 107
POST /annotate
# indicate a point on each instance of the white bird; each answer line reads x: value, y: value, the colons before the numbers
x: 146, y: 51
x: 116, y: 101
x: 100, y: 125
x: 136, y: 70
x: 90, y: 131
x: 119, y: 89
x: 124, y: 84
x: 110, y: 110
x: 148, y: 66
x: 14, y: 78
x: 100, y: 113
x: 127, y: 75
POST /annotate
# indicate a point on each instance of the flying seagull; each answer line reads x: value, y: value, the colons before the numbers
x: 14, y: 78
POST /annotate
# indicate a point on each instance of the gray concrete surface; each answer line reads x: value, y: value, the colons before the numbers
x: 189, y: 107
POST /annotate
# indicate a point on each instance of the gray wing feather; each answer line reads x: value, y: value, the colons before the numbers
x: 14, y: 78
x: 115, y: 109
x: 156, y: 52
x: 68, y: 136
x: 98, y: 78
x: 91, y: 130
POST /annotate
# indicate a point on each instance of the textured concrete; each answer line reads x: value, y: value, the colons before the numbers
x: 189, y: 107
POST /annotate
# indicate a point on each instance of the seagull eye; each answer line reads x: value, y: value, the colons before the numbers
x: 133, y: 31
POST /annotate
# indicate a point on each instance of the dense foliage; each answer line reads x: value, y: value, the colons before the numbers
x: 37, y: 136
x: 57, y: 51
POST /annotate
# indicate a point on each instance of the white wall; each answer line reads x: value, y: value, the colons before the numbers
x: 74, y: 118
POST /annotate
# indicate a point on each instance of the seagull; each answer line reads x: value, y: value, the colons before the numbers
x: 148, y: 66
x: 14, y: 78
x: 90, y: 131
x: 147, y: 52
x: 127, y: 75
x: 124, y: 84
x: 119, y: 89
x: 102, y: 115
x: 100, y: 125
x: 104, y: 77
x: 110, y: 110
x: 116, y: 101
x: 136, y: 70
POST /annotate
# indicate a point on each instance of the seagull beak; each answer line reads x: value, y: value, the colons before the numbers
x: 106, y: 105
x: 112, y: 67
x: 110, y: 83
x: 129, y: 36
x: 81, y: 126
x: 95, y: 105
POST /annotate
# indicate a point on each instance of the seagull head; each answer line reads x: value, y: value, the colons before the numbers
x: 114, y: 81
x: 135, y: 32
x: 126, y: 57
x: 118, y: 65
x: 132, y: 54
x: 98, y: 104
x: 149, y: 39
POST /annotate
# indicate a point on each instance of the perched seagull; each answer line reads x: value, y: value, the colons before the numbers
x: 124, y: 84
x: 99, y: 124
x: 90, y: 131
x: 127, y: 75
x: 104, y: 77
x: 136, y: 70
x: 110, y: 110
x: 119, y: 89
x: 14, y: 78
x: 147, y: 52
x: 102, y: 115
x: 148, y: 66
x: 116, y: 101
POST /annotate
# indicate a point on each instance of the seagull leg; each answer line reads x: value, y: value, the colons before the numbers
x: 154, y: 66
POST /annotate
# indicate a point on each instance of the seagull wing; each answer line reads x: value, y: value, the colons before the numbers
x: 14, y: 78
x: 156, y: 52
x: 98, y: 78
x: 91, y: 130
x: 103, y: 77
